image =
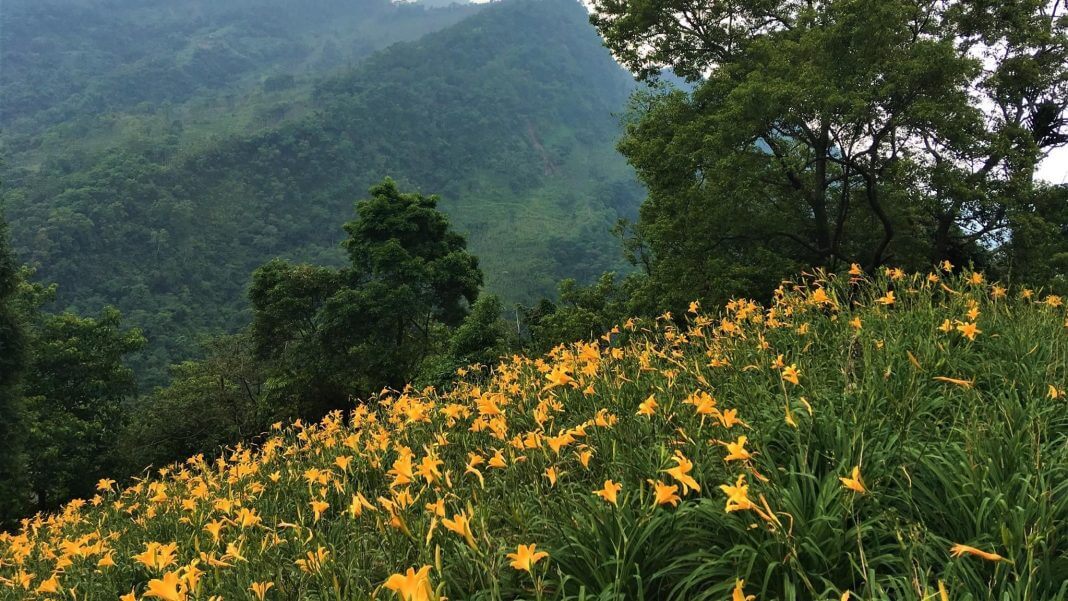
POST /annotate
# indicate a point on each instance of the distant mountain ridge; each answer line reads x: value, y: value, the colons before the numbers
x: 77, y: 64
x: 508, y: 115
x: 156, y: 51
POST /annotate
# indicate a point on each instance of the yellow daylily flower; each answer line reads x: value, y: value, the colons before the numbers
x: 665, y: 494
x: 853, y: 482
x: 609, y: 491
x: 959, y: 550
x: 260, y: 589
x: 412, y: 585
x: 526, y: 556
x: 168, y: 588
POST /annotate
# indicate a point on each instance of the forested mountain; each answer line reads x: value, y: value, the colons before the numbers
x: 508, y: 115
x: 79, y: 74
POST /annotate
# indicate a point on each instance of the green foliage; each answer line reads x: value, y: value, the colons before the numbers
x: 212, y: 402
x: 507, y: 114
x: 472, y: 347
x: 482, y: 337
x: 76, y: 387
x: 847, y: 131
x: 13, y: 491
x: 583, y: 312
x: 607, y: 553
x: 331, y: 334
x: 1038, y: 249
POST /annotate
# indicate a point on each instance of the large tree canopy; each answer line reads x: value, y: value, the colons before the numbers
x: 826, y: 133
x: 332, y: 333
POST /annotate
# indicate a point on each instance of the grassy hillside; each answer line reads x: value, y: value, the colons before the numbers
x: 904, y: 437
x: 508, y: 115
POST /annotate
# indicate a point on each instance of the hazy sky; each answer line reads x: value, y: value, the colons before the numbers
x: 1055, y: 168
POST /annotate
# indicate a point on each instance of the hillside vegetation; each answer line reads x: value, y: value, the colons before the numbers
x: 901, y: 437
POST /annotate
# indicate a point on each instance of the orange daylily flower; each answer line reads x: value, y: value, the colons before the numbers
x: 968, y: 330
x: 412, y: 585
x: 609, y: 491
x: 665, y: 494
x: 791, y: 374
x: 647, y: 407
x: 738, y: 594
x: 461, y: 525
x: 736, y: 450
x: 681, y: 472
x: 157, y: 556
x: 551, y: 474
x: 49, y: 586
x: 959, y: 550
x: 737, y: 495
x: 318, y: 507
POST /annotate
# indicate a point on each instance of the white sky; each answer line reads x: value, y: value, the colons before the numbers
x: 1055, y: 168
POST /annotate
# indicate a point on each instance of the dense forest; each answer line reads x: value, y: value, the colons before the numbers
x: 222, y: 217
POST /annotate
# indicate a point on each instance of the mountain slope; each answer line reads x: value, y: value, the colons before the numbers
x: 838, y: 444
x: 507, y: 115
x: 88, y: 72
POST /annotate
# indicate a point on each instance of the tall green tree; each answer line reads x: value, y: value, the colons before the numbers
x: 13, y: 492
x: 76, y: 388
x: 329, y: 334
x: 826, y: 133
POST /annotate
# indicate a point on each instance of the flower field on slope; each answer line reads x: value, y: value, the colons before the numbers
x: 902, y: 437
